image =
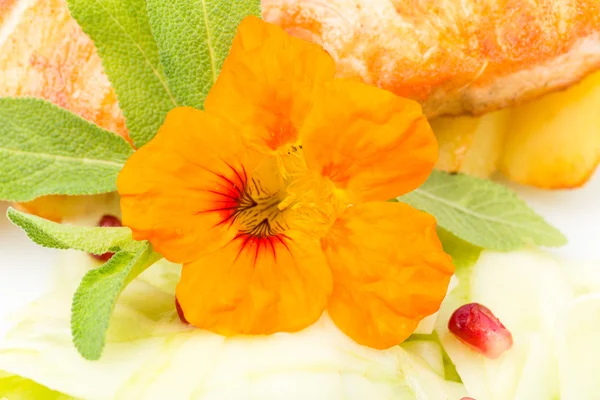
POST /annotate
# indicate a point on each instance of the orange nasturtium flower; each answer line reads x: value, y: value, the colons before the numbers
x: 274, y: 198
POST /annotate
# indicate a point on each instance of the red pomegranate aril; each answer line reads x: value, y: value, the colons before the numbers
x: 475, y: 325
x: 107, y: 221
x: 180, y: 312
x: 103, y: 257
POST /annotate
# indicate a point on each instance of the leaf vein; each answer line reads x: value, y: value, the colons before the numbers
x: 53, y: 157
x: 209, y: 44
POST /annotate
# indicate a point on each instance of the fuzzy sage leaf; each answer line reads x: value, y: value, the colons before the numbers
x: 194, y: 37
x: 482, y: 213
x: 45, y: 149
x: 464, y: 255
x: 121, y: 32
x: 93, y: 240
x: 97, y: 295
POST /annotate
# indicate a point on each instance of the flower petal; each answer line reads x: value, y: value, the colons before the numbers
x: 389, y: 272
x: 268, y: 83
x: 368, y: 141
x: 180, y: 190
x: 256, y: 286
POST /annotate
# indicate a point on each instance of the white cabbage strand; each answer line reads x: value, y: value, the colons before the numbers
x: 151, y: 355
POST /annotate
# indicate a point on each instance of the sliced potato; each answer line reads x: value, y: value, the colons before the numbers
x: 554, y: 142
x: 454, y: 135
x: 471, y: 145
x: 483, y: 156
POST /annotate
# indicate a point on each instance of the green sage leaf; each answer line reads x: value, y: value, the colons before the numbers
x: 97, y: 296
x: 121, y: 32
x: 194, y: 37
x: 464, y: 255
x: 483, y: 213
x: 93, y: 240
x: 47, y: 150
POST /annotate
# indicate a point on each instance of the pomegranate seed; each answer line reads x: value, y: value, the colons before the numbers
x: 107, y: 221
x: 478, y: 327
x: 180, y: 312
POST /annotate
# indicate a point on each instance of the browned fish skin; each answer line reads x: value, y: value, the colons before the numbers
x: 5, y: 7
x: 47, y: 55
x: 454, y: 56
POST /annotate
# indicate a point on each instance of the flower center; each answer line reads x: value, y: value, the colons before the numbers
x: 282, y: 194
x: 258, y: 212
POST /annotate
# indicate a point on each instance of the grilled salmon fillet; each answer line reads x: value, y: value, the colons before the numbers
x: 453, y: 56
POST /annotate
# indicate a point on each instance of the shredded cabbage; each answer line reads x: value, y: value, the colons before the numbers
x: 554, y: 317
x: 151, y: 355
